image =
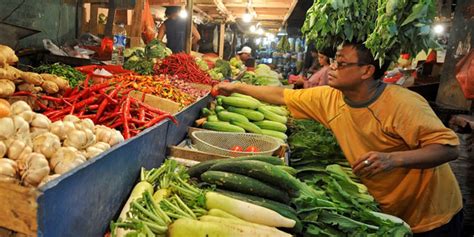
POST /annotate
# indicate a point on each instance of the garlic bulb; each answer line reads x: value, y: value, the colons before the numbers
x: 65, y: 159
x: 7, y: 128
x: 107, y: 135
x: 80, y: 139
x: 8, y: 170
x: 48, y: 178
x: 22, y: 129
x: 46, y: 144
x: 19, y: 107
x: 71, y: 118
x: 28, y: 116
x: 18, y: 150
x: 3, y: 149
x: 96, y: 149
x: 84, y: 124
x: 41, y: 121
x: 36, y: 168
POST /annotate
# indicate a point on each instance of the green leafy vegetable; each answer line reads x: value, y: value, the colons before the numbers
x: 71, y: 74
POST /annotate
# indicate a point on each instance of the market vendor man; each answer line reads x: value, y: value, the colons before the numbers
x: 244, y: 54
x: 391, y: 137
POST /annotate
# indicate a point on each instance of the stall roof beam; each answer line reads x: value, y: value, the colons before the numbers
x: 288, y: 14
x: 221, y: 7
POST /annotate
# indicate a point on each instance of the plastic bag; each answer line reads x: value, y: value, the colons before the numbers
x: 148, y: 24
x: 465, y: 74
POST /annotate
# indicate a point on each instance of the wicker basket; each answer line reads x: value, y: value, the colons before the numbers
x: 221, y: 143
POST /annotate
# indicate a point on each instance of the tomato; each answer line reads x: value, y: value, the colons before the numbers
x: 214, y: 92
x: 236, y: 148
x: 252, y: 149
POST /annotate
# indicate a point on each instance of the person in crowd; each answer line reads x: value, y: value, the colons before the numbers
x: 319, y: 77
x: 244, y: 54
x: 174, y: 28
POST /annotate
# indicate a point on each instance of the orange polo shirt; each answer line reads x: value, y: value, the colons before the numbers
x: 396, y: 119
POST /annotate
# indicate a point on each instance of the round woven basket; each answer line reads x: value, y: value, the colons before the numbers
x: 221, y: 143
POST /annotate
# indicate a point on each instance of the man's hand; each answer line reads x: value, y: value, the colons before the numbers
x: 373, y: 163
x: 226, y: 88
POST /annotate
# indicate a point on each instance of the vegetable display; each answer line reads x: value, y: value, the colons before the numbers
x: 69, y: 73
x: 179, y: 208
x: 163, y: 86
x: 142, y: 60
x: 103, y: 104
x: 184, y: 67
x: 387, y: 27
x: 36, y: 150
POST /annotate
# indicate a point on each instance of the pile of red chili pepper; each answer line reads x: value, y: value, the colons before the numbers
x: 107, y: 104
x: 162, y: 86
x: 184, y: 67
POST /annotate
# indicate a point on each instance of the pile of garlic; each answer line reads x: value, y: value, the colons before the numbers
x: 35, y: 150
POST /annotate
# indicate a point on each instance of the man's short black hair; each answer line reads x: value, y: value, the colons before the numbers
x: 172, y: 10
x: 364, y: 56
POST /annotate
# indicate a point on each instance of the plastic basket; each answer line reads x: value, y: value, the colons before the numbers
x: 221, y: 143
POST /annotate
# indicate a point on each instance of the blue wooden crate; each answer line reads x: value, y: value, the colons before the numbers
x: 185, y: 119
x: 85, y: 200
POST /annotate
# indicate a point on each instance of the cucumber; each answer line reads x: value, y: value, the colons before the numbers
x: 240, y: 102
x: 245, y: 96
x: 280, y: 208
x: 275, y: 134
x: 197, y: 170
x: 219, y: 109
x: 222, y: 127
x: 288, y: 169
x: 250, y: 114
x: 244, y: 184
x: 269, y: 115
x: 248, y: 126
x: 227, y: 116
x: 212, y: 118
x: 206, y: 112
x: 271, y: 125
x: 277, y: 110
x: 262, y: 171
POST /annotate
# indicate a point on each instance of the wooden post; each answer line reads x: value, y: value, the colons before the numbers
x: 189, y: 26
x: 221, y: 40
x: 461, y: 38
x: 93, y: 22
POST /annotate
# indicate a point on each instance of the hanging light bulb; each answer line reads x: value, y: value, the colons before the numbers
x: 247, y: 17
x: 253, y: 29
x: 438, y: 29
x: 183, y: 13
x: 260, y: 31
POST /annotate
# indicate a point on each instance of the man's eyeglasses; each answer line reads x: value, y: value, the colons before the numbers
x: 341, y: 65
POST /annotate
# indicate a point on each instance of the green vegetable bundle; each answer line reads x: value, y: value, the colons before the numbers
x: 71, y: 74
x: 387, y: 27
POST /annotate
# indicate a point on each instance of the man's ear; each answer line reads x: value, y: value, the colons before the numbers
x: 369, y: 72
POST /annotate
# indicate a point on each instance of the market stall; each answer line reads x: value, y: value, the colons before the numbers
x: 114, y: 134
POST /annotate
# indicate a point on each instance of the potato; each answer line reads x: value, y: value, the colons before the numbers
x: 7, y: 56
x: 14, y: 72
x: 7, y: 88
x: 60, y: 81
x: 33, y: 78
x: 50, y: 87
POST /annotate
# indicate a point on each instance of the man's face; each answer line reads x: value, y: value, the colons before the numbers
x: 348, y: 74
x: 244, y: 56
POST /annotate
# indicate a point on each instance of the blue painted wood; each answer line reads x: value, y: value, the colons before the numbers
x: 185, y: 119
x: 85, y: 200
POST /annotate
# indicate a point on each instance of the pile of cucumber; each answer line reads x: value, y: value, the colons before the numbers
x: 261, y: 180
x: 242, y: 113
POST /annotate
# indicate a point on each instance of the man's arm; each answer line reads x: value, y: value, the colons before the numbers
x: 161, y: 32
x: 195, y: 34
x: 427, y: 157
x: 269, y: 94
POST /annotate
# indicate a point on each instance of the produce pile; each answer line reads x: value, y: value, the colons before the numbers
x: 344, y: 208
x: 183, y: 66
x: 387, y: 27
x: 263, y: 76
x: 36, y: 150
x: 106, y: 104
x: 242, y: 113
x: 164, y: 86
x: 179, y: 207
x: 12, y: 79
x: 67, y: 72
x: 142, y: 60
x: 284, y: 44
x: 222, y: 70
